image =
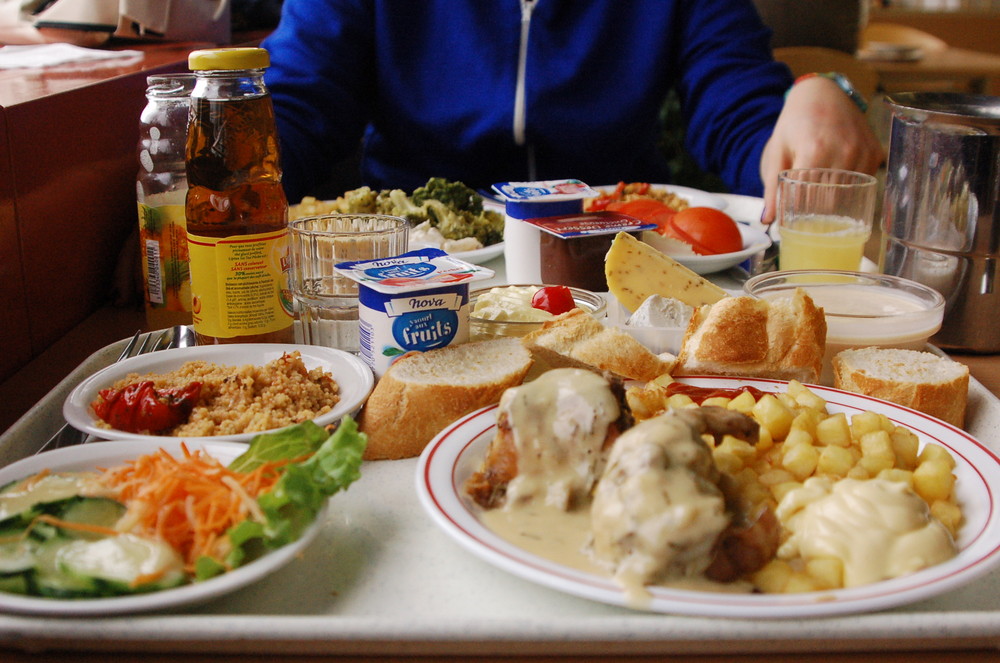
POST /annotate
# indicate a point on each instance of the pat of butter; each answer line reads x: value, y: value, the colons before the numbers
x: 659, y: 311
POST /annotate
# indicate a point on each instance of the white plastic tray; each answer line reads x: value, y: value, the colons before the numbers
x: 381, y: 578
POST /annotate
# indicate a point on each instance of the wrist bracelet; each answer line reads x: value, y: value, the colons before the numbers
x: 843, y: 82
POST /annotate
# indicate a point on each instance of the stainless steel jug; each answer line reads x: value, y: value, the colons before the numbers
x: 941, y: 220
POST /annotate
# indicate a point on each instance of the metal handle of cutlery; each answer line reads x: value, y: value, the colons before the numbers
x: 68, y: 436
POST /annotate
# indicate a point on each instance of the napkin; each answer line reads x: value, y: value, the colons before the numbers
x: 47, y: 55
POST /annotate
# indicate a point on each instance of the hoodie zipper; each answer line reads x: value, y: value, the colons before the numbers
x: 520, y: 112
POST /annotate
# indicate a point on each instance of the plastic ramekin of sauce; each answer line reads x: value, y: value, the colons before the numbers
x: 861, y: 309
x: 416, y: 301
x: 507, y: 311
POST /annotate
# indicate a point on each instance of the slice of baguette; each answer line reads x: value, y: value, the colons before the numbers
x: 422, y: 393
x: 576, y: 340
x: 923, y: 381
x: 782, y: 338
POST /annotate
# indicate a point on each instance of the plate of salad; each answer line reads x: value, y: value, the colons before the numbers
x: 126, y: 527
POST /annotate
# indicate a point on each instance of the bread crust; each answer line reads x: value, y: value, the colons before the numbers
x: 747, y: 337
x: 576, y: 340
x: 920, y: 380
x: 422, y: 393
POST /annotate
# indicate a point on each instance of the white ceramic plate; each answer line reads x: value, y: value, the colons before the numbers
x: 480, y: 256
x: 108, y: 454
x: 755, y: 240
x: 352, y: 374
x: 694, y: 197
x: 453, y: 455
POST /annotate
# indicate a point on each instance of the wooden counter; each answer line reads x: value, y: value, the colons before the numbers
x: 67, y: 190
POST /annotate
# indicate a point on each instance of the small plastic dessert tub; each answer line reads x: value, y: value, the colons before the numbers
x: 861, y: 309
x: 482, y: 327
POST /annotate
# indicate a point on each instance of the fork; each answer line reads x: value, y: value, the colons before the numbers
x: 67, y: 436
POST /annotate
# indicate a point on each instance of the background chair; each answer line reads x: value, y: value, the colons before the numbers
x: 806, y: 59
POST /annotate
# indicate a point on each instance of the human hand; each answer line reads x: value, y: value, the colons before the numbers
x: 819, y: 127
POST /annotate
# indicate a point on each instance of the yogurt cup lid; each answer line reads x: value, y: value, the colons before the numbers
x: 544, y: 191
x: 587, y: 224
x: 414, y: 270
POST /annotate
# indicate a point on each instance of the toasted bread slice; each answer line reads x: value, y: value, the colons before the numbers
x: 782, y: 338
x: 923, y: 381
x: 576, y: 340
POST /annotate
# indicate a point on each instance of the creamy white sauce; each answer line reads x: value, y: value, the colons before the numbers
x: 878, y: 529
x: 657, y: 510
x: 559, y: 424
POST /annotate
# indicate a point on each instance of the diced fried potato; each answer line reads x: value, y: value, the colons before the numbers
x: 800, y: 460
x: 938, y: 453
x: 779, y: 490
x: 726, y: 461
x: 949, y: 514
x: 828, y: 572
x: 744, y: 450
x: 806, y: 421
x: 717, y: 401
x: 681, y: 401
x: 865, y: 422
x: 774, y: 415
x: 896, y: 474
x: 805, y: 397
x: 775, y: 476
x: 834, y: 431
x: 801, y: 582
x: 905, y: 444
x: 743, y: 403
x: 876, y: 452
x: 773, y: 577
x: 933, y: 480
x: 859, y: 473
x: 835, y: 461
x: 798, y: 436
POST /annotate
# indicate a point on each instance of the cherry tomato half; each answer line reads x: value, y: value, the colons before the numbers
x: 556, y: 299
x: 708, y: 231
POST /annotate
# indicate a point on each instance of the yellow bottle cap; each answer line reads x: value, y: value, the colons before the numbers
x: 226, y: 59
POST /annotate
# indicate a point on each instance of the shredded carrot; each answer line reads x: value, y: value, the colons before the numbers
x: 189, y: 502
x: 80, y: 527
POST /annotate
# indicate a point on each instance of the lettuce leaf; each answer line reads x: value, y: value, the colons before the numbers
x: 299, y: 495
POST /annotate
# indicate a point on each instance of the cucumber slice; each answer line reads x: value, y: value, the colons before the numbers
x: 21, y: 499
x: 122, y: 563
x: 16, y: 557
x: 96, y: 511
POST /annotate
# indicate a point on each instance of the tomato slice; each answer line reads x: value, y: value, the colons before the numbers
x: 709, y: 231
x: 556, y: 299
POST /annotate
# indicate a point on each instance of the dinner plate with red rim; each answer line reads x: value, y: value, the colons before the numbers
x: 352, y: 375
x: 453, y: 455
x: 110, y: 454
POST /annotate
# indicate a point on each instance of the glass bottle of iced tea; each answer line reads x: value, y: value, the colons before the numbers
x: 237, y: 213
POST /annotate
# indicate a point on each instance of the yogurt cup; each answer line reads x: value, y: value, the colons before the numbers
x: 416, y: 301
x: 529, y: 200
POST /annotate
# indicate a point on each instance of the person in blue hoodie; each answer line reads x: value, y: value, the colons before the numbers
x: 486, y: 91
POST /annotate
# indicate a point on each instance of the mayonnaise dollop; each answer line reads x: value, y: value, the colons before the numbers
x: 878, y: 529
x: 510, y: 303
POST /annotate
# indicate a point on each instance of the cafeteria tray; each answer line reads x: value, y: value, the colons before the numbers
x: 382, y: 579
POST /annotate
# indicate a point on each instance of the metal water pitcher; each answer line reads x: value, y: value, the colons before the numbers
x: 941, y: 220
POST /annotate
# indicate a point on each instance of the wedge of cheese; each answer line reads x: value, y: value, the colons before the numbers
x: 636, y: 270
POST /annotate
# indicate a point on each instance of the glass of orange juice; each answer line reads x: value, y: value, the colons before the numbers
x: 824, y: 217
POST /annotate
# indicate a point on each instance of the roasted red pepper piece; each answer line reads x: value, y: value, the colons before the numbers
x: 140, y: 407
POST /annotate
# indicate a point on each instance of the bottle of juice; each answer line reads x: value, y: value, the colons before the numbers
x: 161, y: 187
x: 237, y: 214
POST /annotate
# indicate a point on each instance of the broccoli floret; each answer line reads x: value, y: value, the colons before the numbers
x: 397, y: 203
x: 358, y: 201
x: 456, y: 195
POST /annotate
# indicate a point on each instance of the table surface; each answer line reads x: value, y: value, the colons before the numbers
x: 119, y: 324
